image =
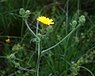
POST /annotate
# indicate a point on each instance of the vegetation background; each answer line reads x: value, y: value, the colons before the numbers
x: 75, y: 56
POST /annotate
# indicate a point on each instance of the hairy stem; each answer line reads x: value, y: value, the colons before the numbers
x: 60, y: 40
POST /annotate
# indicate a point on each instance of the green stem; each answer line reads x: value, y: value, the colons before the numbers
x: 60, y: 40
x: 31, y: 30
x: 67, y: 5
x: 38, y: 60
x: 38, y: 49
x: 38, y: 45
x: 87, y: 70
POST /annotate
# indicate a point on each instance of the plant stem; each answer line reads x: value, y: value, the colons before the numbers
x: 38, y: 45
x: 38, y: 60
x: 87, y: 70
x: 38, y: 49
x: 67, y: 5
x: 60, y: 40
x: 31, y: 30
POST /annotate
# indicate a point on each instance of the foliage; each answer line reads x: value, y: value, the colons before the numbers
x: 30, y: 48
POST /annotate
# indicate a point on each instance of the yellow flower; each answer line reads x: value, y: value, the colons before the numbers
x: 7, y: 40
x: 45, y: 20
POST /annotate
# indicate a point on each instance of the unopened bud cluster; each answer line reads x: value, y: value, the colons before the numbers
x: 24, y: 13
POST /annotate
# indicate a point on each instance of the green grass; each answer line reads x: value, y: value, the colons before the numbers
x: 64, y: 50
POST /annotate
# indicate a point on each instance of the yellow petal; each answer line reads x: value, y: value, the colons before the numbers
x: 45, y: 20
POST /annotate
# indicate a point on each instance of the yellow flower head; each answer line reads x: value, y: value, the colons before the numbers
x: 45, y: 20
x: 7, y: 40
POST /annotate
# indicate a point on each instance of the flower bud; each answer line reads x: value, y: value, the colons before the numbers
x: 74, y: 23
x: 17, y: 47
x: 27, y: 13
x: 22, y: 12
x: 82, y: 19
x: 11, y: 56
x: 49, y: 29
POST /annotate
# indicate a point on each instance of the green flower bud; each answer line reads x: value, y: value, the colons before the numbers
x: 27, y: 13
x: 49, y: 29
x: 22, y: 12
x: 74, y: 23
x: 82, y: 19
x: 11, y: 56
x: 17, y: 47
